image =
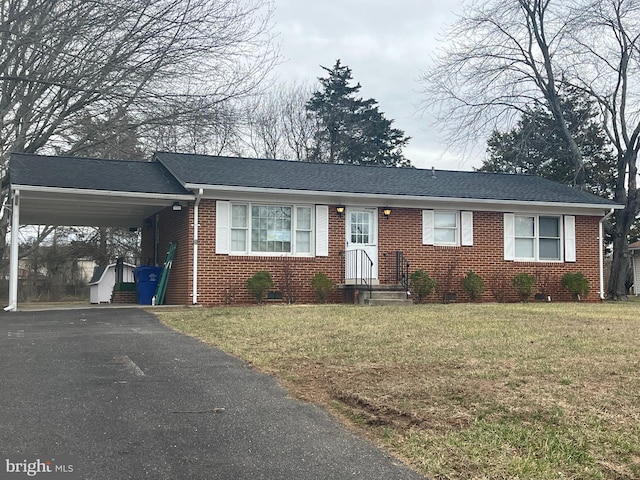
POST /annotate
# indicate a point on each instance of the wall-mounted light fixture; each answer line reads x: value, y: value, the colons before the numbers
x: 176, y: 206
x: 340, y: 210
x: 386, y: 211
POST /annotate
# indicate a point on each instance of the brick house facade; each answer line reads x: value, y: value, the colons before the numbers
x: 222, y: 278
x: 446, y: 223
x: 232, y: 217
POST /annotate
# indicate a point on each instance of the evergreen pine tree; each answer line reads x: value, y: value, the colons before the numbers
x: 351, y: 129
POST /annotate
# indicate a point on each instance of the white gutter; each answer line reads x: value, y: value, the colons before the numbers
x: 13, y: 253
x: 194, y: 293
x: 392, y: 199
x: 105, y: 193
x: 601, y: 251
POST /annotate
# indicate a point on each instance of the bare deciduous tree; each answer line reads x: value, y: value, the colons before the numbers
x: 205, y: 131
x: 277, y: 124
x: 505, y: 56
x: 158, y: 62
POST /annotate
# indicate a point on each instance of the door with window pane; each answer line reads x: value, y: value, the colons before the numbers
x: 362, y: 235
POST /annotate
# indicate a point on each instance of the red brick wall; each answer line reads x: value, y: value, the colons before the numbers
x: 448, y: 265
x: 173, y: 226
x: 222, y: 278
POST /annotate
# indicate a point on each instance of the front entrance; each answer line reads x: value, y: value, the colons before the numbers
x: 361, y: 245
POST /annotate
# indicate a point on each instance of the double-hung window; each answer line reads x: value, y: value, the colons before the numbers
x: 271, y: 229
x: 304, y: 230
x: 537, y: 238
x: 239, y: 228
x: 446, y: 228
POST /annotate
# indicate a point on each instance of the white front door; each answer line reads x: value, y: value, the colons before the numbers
x: 362, y: 236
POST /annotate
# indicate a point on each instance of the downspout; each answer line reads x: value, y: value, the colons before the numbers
x: 601, y: 251
x: 13, y: 253
x: 194, y: 293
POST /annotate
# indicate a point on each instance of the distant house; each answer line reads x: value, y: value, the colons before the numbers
x: 359, y: 225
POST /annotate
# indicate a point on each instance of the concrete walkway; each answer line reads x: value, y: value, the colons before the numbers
x: 127, y: 398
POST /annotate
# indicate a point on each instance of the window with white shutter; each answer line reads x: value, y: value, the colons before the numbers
x: 447, y: 228
x: 539, y: 238
x: 246, y: 228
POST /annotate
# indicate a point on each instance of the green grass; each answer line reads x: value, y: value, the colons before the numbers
x: 464, y: 391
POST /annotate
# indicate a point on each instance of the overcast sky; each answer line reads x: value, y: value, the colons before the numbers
x: 387, y: 44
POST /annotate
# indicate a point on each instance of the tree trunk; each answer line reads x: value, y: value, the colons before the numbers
x: 616, y: 288
x: 627, y: 170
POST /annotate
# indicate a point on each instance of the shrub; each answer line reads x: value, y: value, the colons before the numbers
x: 498, y: 284
x: 259, y: 283
x: 524, y: 284
x: 576, y: 283
x: 421, y: 284
x: 321, y: 286
x: 287, y: 283
x: 473, y: 285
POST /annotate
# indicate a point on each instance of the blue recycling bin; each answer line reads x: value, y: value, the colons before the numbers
x: 147, y: 279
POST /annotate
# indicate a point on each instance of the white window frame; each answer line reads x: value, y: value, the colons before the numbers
x: 463, y: 228
x: 294, y: 230
x: 295, y: 227
x: 455, y: 229
x: 536, y: 239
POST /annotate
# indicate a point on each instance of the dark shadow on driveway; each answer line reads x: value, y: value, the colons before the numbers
x: 128, y: 398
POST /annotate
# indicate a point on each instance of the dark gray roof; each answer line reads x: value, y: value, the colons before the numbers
x: 98, y: 271
x: 204, y: 170
x: 92, y: 174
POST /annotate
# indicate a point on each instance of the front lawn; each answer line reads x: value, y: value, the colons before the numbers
x: 463, y: 391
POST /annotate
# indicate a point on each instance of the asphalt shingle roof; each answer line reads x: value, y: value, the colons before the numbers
x: 204, y: 170
x: 92, y: 174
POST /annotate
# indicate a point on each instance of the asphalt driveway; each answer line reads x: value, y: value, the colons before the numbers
x: 120, y: 396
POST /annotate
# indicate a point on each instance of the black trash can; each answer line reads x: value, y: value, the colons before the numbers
x: 147, y: 279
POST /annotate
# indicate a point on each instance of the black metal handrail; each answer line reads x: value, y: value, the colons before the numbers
x: 359, y: 267
x: 402, y: 271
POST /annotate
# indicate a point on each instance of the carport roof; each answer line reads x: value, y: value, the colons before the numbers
x: 92, y: 174
x: 89, y: 191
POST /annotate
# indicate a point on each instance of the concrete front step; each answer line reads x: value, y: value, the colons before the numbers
x: 385, y: 297
x: 389, y: 301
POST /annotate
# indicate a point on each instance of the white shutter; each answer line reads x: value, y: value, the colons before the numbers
x: 509, y: 236
x: 223, y: 224
x: 569, y: 238
x: 427, y: 227
x: 322, y: 231
x: 466, y: 227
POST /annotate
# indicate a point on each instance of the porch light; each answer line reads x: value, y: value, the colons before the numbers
x: 386, y: 211
x: 340, y: 210
x: 176, y: 206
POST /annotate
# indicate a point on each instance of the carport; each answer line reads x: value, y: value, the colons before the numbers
x: 72, y: 191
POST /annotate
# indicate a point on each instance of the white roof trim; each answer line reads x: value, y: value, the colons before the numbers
x: 341, y: 197
x: 106, y: 193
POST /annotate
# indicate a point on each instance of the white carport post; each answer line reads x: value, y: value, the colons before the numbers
x: 194, y: 292
x: 13, y: 253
